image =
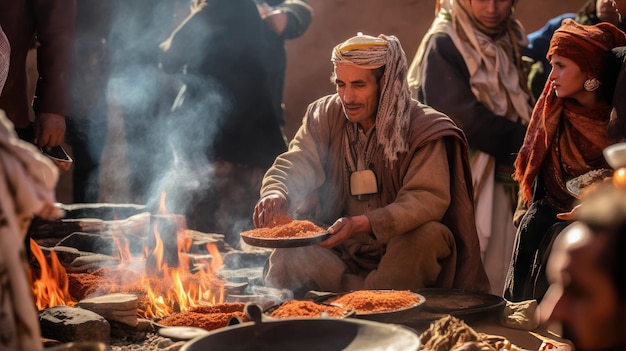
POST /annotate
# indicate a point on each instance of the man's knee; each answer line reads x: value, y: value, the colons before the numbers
x: 432, y: 237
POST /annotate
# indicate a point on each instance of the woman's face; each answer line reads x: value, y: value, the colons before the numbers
x: 566, y: 78
x: 491, y: 13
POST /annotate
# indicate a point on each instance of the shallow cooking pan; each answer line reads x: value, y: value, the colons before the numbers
x: 306, y: 334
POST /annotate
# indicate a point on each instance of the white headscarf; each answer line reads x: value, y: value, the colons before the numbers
x: 5, y: 58
x: 492, y: 58
x: 392, y: 118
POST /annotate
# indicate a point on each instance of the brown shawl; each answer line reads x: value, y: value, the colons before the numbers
x: 564, y: 140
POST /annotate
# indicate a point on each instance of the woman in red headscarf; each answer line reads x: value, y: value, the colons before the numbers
x: 567, y: 132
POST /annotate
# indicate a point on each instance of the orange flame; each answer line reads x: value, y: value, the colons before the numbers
x: 52, y: 288
x: 179, y: 289
x: 167, y: 289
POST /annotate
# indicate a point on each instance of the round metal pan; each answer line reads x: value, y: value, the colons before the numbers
x: 308, y: 334
x: 466, y: 305
x: 284, y: 242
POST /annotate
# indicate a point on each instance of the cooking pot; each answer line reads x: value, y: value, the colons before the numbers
x: 80, y: 346
x: 305, y: 334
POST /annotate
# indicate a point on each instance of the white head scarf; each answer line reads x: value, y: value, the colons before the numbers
x: 492, y: 56
x: 5, y: 58
x: 393, y: 116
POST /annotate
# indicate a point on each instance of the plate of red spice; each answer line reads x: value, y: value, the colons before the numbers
x: 306, y: 309
x: 393, y: 306
x: 286, y: 232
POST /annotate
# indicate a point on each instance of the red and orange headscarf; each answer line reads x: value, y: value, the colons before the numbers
x: 585, y: 45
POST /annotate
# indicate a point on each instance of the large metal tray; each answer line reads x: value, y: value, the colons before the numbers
x: 284, y: 242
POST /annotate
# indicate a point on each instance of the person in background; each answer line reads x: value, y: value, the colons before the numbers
x: 223, y: 130
x: 284, y: 20
x: 592, y: 12
x: 587, y: 273
x: 389, y: 173
x: 469, y: 66
x: 27, y: 182
x: 87, y: 127
x: 565, y: 139
x: 49, y: 26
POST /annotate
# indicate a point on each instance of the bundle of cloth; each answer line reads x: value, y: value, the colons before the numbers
x: 27, y: 183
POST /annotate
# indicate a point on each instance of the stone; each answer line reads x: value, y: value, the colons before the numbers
x: 252, y: 276
x: 89, y: 242
x: 104, y: 211
x: 241, y: 259
x: 117, y: 307
x: 67, y: 324
x: 88, y: 263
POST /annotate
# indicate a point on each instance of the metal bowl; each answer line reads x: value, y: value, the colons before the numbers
x: 615, y: 155
x: 80, y: 346
x: 306, y: 334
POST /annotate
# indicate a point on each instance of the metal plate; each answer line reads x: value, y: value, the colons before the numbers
x: 267, y: 313
x: 459, y: 303
x: 576, y: 185
x: 284, y: 242
x: 391, y: 316
x: 182, y: 333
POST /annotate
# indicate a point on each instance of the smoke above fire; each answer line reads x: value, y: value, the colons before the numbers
x: 163, y: 150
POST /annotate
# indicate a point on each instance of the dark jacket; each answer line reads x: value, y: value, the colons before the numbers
x: 225, y: 107
x: 51, y: 24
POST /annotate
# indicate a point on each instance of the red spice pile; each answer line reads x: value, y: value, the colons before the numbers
x: 285, y: 227
x: 206, y: 317
x: 369, y: 301
x: 104, y: 281
x: 306, y: 309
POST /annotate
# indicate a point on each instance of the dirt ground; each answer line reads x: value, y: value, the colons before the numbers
x: 309, y: 61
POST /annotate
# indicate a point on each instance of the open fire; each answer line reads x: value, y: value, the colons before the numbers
x: 163, y: 285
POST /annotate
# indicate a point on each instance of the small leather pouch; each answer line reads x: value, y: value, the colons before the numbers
x: 363, y: 182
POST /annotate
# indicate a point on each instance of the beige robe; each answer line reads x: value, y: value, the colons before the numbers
x: 410, y: 196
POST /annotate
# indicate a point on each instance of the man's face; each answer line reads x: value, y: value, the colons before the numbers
x: 358, y: 91
x: 582, y: 295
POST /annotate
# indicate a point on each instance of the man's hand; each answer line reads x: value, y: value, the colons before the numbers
x: 50, y: 212
x: 49, y: 129
x: 344, y: 228
x: 269, y: 208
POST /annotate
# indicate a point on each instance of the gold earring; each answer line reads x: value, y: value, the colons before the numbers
x: 591, y: 84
